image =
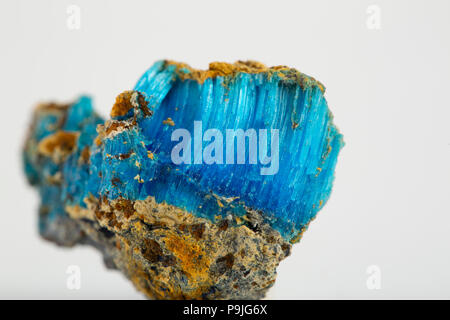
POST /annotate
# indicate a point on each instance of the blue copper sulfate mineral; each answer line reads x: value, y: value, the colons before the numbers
x: 198, y: 184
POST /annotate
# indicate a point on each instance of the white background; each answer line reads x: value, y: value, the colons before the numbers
x: 387, y: 88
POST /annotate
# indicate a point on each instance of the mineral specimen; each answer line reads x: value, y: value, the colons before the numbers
x: 181, y: 212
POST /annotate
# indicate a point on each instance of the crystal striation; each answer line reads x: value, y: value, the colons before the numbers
x: 214, y: 225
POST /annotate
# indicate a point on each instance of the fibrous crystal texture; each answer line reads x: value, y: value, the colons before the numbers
x: 195, y: 228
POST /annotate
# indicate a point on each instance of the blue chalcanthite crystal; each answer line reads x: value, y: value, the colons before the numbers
x: 191, y: 166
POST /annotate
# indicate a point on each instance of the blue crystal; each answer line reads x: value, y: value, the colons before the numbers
x: 143, y: 188
x: 283, y: 99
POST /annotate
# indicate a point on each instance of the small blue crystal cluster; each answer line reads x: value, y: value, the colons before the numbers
x: 47, y: 172
x: 73, y: 155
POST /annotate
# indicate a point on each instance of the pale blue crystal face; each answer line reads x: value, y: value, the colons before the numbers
x: 309, y: 144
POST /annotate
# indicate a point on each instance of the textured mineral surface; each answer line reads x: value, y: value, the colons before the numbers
x: 201, y: 227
